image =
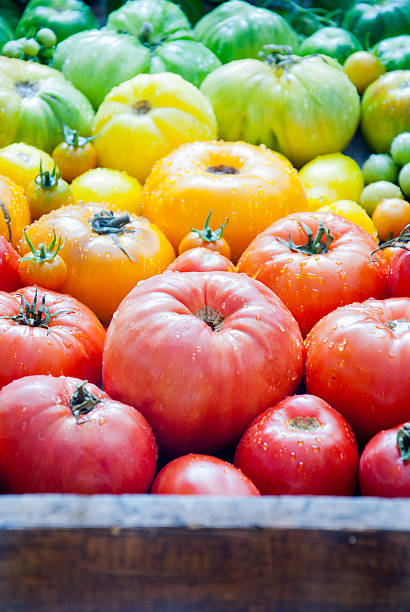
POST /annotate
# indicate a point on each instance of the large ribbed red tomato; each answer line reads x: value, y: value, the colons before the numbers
x: 200, y: 354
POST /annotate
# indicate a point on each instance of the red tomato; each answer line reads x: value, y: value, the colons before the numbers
x: 399, y: 274
x: 201, y: 259
x: 316, y: 262
x: 61, y: 435
x: 202, y: 475
x: 384, y: 469
x: 201, y: 354
x: 42, y: 332
x: 358, y: 360
x: 9, y: 264
x: 301, y: 446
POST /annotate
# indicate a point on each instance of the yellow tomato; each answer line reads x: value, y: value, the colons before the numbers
x: 144, y: 118
x: 117, y: 189
x: 332, y: 177
x: 21, y: 162
x: 14, y: 210
x: 363, y: 68
x: 352, y: 211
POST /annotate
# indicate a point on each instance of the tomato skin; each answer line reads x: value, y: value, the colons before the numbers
x: 14, y: 210
x: 193, y: 241
x: 201, y: 259
x: 9, y: 267
x: 282, y: 459
x: 311, y: 286
x: 216, y: 382
x: 399, y: 274
x: 382, y: 471
x: 360, y: 366
x: 110, y: 450
x: 202, y: 475
x: 72, y: 345
x: 50, y: 274
x: 390, y: 217
x: 74, y: 160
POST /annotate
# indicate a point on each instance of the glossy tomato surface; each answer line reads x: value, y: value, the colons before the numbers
x: 201, y: 259
x: 57, y: 335
x: 358, y: 360
x: 312, y: 284
x: 9, y: 264
x: 50, y: 443
x: 202, y: 475
x: 399, y: 274
x: 201, y: 354
x: 301, y: 446
x: 384, y: 469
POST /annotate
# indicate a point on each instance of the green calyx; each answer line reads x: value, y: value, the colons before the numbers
x: 73, y: 138
x: 35, y: 314
x: 82, y: 402
x: 106, y: 222
x: 207, y: 233
x: 316, y: 244
x: 46, y: 179
x: 43, y: 252
x: 403, y: 442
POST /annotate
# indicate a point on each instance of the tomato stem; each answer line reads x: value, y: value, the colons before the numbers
x: 314, y: 244
x: 106, y: 222
x: 47, y: 179
x: 35, y: 315
x: 213, y: 318
x: 399, y: 241
x: 82, y: 402
x: 43, y: 252
x: 73, y: 138
x: 304, y: 423
x: 222, y: 169
x: 403, y: 441
x: 207, y: 234
x: 398, y: 326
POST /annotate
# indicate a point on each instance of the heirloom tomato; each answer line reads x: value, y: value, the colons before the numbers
x: 385, y: 463
x: 70, y: 437
x: 358, y: 360
x: 390, y: 217
x: 75, y: 155
x: 201, y: 354
x: 14, y: 210
x: 144, y: 118
x: 47, y: 192
x: 43, y: 266
x: 9, y: 264
x: 373, y: 20
x: 202, y: 475
x: 106, y: 253
x: 316, y: 262
x: 116, y: 189
x: 352, y: 211
x: 20, y: 162
x: 201, y: 259
x: 374, y: 193
x: 394, y: 53
x: 335, y: 42
x: 380, y: 167
x: 249, y: 185
x: 42, y: 332
x: 301, y: 446
x: 363, y: 68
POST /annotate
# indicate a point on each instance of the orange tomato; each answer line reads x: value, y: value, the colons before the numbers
x: 250, y: 185
x: 14, y: 210
x: 75, y: 155
x: 106, y: 253
x: 43, y: 266
x: 206, y: 238
x: 390, y: 217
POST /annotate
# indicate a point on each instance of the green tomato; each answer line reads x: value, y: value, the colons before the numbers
x: 400, y: 149
x: 237, y: 30
x: 63, y: 17
x: 376, y: 192
x: 13, y: 48
x: 380, y: 167
x: 404, y: 180
x: 46, y: 37
x: 31, y: 47
x: 152, y: 21
x: 374, y: 20
x: 385, y: 109
x: 394, y: 53
x: 303, y: 108
x: 335, y: 42
x: 37, y: 102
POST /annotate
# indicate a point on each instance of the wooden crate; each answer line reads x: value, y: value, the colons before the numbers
x: 137, y: 553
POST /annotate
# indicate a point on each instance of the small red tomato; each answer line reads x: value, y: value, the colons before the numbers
x: 206, y: 237
x: 301, y: 446
x: 201, y: 259
x: 9, y: 264
x: 64, y: 435
x: 384, y: 469
x: 202, y: 475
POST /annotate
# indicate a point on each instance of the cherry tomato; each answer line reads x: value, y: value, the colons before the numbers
x: 207, y: 238
x: 75, y: 155
x: 9, y: 264
x: 390, y: 217
x: 384, y: 469
x: 202, y: 475
x: 201, y: 259
x: 363, y: 68
x: 301, y: 446
x: 47, y: 192
x: 43, y: 265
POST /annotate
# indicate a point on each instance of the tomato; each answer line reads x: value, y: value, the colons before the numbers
x: 201, y: 259
x: 14, y: 210
x: 301, y: 446
x: 43, y: 266
x: 106, y: 253
x: 249, y: 185
x: 20, y: 162
x: 75, y: 155
x: 202, y: 475
x: 9, y: 275
x: 316, y: 262
x: 42, y: 332
x: 328, y: 178
x: 335, y: 42
x: 212, y: 240
x: 380, y: 167
x: 352, y: 211
x: 390, y: 217
x: 64, y: 435
x: 47, y: 192
x: 374, y: 193
x: 404, y: 180
x: 399, y: 274
x: 363, y: 68
x: 201, y: 354
x: 385, y: 463
x: 116, y: 189
x: 400, y: 148
x: 146, y: 117
x: 357, y: 359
